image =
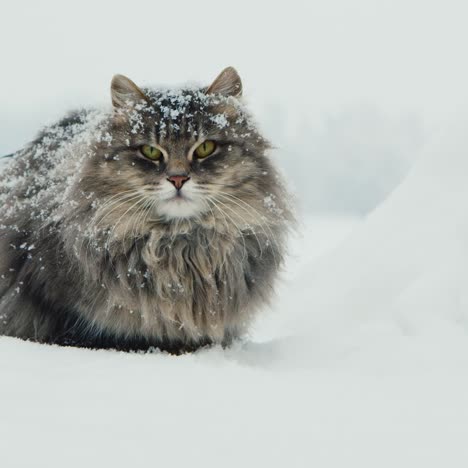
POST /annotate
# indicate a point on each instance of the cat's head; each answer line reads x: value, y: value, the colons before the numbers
x: 185, y: 153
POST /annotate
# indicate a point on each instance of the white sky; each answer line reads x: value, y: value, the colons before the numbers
x: 302, y: 59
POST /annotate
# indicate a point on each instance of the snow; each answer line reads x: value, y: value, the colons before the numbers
x: 361, y: 361
x: 81, y: 408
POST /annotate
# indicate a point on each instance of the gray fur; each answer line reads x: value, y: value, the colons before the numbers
x: 88, y: 256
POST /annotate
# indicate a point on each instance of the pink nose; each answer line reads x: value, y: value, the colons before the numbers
x: 177, y: 181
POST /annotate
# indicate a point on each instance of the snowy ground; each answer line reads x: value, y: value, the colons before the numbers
x: 364, y: 395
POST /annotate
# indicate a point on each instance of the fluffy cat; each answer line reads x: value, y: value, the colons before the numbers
x: 158, y: 223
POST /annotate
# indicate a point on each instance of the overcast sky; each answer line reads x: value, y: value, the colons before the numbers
x: 348, y: 90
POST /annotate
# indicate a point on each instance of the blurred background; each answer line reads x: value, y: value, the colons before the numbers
x: 348, y: 91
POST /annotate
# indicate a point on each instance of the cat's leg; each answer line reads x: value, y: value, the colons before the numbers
x: 24, y: 312
x: 24, y: 317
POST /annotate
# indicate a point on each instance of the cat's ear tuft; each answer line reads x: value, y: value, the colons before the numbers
x: 125, y: 91
x: 227, y: 83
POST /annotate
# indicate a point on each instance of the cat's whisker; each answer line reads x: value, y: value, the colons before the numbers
x: 137, y: 212
x: 261, y: 218
x: 131, y: 219
x: 122, y: 203
x: 106, y: 206
x: 215, y: 204
x: 260, y: 215
x: 252, y: 228
x: 117, y: 223
x: 140, y: 219
x: 149, y: 210
x: 102, y: 209
x: 271, y: 238
x: 119, y: 194
x: 225, y: 222
x: 248, y: 225
x: 138, y: 224
x: 95, y: 220
x: 214, y: 219
x: 91, y: 236
x: 208, y: 200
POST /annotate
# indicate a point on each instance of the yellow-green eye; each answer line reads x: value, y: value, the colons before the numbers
x: 150, y: 152
x: 205, y: 149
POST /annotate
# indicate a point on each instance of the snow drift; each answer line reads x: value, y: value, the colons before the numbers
x: 407, y: 264
x: 402, y: 274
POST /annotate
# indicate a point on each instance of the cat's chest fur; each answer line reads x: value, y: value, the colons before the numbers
x: 183, y: 285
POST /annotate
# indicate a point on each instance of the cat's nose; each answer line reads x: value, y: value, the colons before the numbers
x: 177, y: 181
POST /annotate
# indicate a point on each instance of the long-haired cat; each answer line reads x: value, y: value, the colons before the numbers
x: 160, y: 222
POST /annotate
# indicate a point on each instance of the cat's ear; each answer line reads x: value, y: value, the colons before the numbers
x: 125, y: 91
x: 227, y: 83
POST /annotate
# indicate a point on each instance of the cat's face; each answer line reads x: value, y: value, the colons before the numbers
x: 183, y: 154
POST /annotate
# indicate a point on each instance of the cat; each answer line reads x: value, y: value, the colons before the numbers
x: 159, y: 222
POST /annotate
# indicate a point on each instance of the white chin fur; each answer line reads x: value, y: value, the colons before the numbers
x: 189, y: 205
x: 180, y: 208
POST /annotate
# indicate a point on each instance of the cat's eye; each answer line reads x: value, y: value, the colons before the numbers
x: 205, y: 149
x: 150, y: 152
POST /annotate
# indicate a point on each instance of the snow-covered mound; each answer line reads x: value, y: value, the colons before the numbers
x: 403, y: 272
x: 362, y: 361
